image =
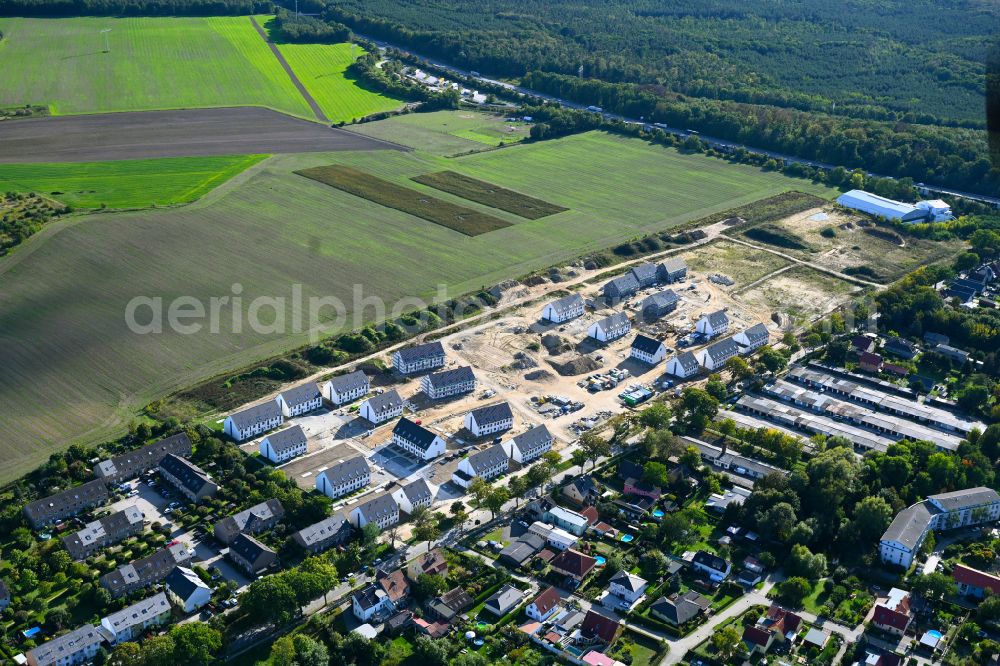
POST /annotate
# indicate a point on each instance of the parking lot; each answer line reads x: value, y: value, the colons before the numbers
x: 151, y: 502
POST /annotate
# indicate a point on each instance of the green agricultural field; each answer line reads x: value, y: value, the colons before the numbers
x: 447, y: 132
x: 73, y: 371
x: 489, y: 194
x: 154, y: 63
x: 125, y: 183
x: 322, y: 70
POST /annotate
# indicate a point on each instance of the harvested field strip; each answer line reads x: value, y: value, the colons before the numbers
x: 361, y: 184
x: 489, y: 194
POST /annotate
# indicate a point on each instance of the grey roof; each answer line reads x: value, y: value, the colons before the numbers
x: 488, y: 459
x: 60, y: 648
x: 629, y: 581
x: 250, y: 519
x: 717, y: 318
x: 661, y: 299
x: 680, y: 608
x: 527, y: 441
x: 616, y: 320
x: 417, y: 491
x: 54, y: 506
x: 347, y: 471
x: 567, y: 303
x: 674, y: 265
x: 79, y: 542
x: 688, y: 361
x: 190, y: 475
x: 623, y: 284
x: 301, y: 394
x: 323, y: 530
x: 452, y: 377
x: 420, y: 352
x: 960, y: 499
x: 380, y: 506
x: 146, y: 457
x: 248, y: 548
x: 286, y: 439
x: 518, y: 551
x: 710, y: 560
x: 388, y: 401
x: 722, y: 348
x: 145, y: 570
x: 349, y: 382
x: 498, y: 411
x: 183, y: 582
x: 644, y: 273
x: 138, y: 613
x: 909, y: 525
x: 646, y: 344
x: 757, y: 333
x: 265, y: 411
x: 505, y: 598
x: 369, y: 596
x: 417, y: 435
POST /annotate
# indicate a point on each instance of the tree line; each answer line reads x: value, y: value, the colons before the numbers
x: 58, y: 8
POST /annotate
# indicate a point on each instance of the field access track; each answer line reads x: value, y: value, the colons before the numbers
x: 185, y: 133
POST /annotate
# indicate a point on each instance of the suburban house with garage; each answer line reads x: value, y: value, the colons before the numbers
x: 414, y: 494
x: 752, y: 338
x: 710, y: 564
x: 486, y: 465
x: 564, y: 309
x: 189, y: 479
x: 610, y: 328
x: 254, y: 520
x: 894, y: 615
x: 382, y: 511
x: 683, y: 365
x: 250, y: 555
x: 67, y: 503
x: 187, y: 590
x: 659, y: 305
x: 253, y: 421
x: 620, y: 288
x: 327, y: 533
x: 679, y: 609
x: 490, y: 419
x: 417, y: 440
x: 448, y: 383
x: 504, y: 600
x: 647, y: 350
x: 597, y: 628
x: 975, y: 583
x: 79, y: 646
x: 381, y: 408
x: 625, y: 589
x: 103, y: 532
x: 417, y: 359
x: 281, y: 446
x: 646, y: 274
x: 131, y: 622
x: 544, y: 605
x: 300, y: 399
x: 529, y: 445
x: 130, y: 465
x: 448, y: 606
x: 571, y: 521
x: 713, y: 324
x: 346, y: 388
x: 344, y: 477
x: 146, y: 571
x: 714, y: 356
x: 672, y: 270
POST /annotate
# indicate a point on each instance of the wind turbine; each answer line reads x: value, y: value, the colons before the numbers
x: 107, y: 46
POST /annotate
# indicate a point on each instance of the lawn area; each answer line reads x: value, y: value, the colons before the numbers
x: 322, y: 70
x: 154, y: 63
x: 126, y: 183
x: 75, y: 372
x: 447, y: 132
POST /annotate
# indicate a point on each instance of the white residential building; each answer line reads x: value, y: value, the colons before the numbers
x: 571, y: 521
x: 187, y: 590
x: 76, y: 647
x: 647, y: 350
x: 346, y: 388
x: 448, y: 383
x: 416, y: 359
x: 627, y: 587
x: 370, y: 601
x: 415, y: 494
x: 417, y: 440
x: 344, y: 477
x: 381, y: 408
x: 529, y: 445
x: 299, y: 400
x: 544, y: 605
x: 554, y: 536
x: 564, y: 309
x: 284, y: 445
x: 752, y: 338
x: 610, y: 328
x: 714, y: 356
x: 486, y: 465
x: 683, y: 365
x: 489, y: 419
x: 382, y: 511
x: 253, y: 421
x: 713, y: 324
x: 130, y: 623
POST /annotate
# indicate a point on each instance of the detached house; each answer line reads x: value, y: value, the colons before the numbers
x: 683, y: 365
x: 625, y: 589
x: 659, y: 305
x: 679, y: 609
x: 715, y: 567
x: 647, y: 350
x: 597, y: 628
x: 672, y: 270
x: 103, y: 532
x: 504, y: 600
x: 76, y: 647
x: 620, y: 288
x: 417, y: 440
x: 901, y: 348
x: 346, y: 388
x: 131, y: 623
x: 253, y: 421
x: 189, y: 479
x: 284, y: 445
x: 431, y: 563
x: 344, y: 477
x: 381, y: 408
x: 573, y: 564
x: 489, y: 419
x: 132, y: 464
x: 66, y: 503
x: 250, y: 555
x: 486, y: 465
x: 714, y: 356
x: 529, y: 445
x: 416, y: 359
x: 752, y: 338
x: 564, y: 309
x: 894, y: 615
x: 187, y: 590
x: 299, y: 400
x: 329, y: 532
x: 582, y: 490
x: 382, y: 511
x: 610, y: 328
x: 371, y: 601
x: 448, y: 383
x: 713, y: 324
x: 254, y: 520
x: 415, y: 494
x: 975, y: 583
x: 544, y: 605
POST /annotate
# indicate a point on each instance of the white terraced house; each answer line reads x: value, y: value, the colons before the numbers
x: 344, y: 477
x: 564, y: 309
x: 382, y: 511
x: 76, y: 647
x: 713, y: 324
x: 253, y: 421
x: 415, y: 494
x: 417, y: 440
x: 416, y: 359
x: 346, y: 388
x: 489, y: 419
x: 683, y: 365
x: 486, y: 465
x: 447, y: 383
x: 284, y: 444
x: 610, y: 328
x: 299, y: 400
x: 647, y: 350
x: 714, y: 356
x: 529, y: 446
x: 946, y: 511
x: 131, y: 623
x: 381, y: 408
x: 752, y: 338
